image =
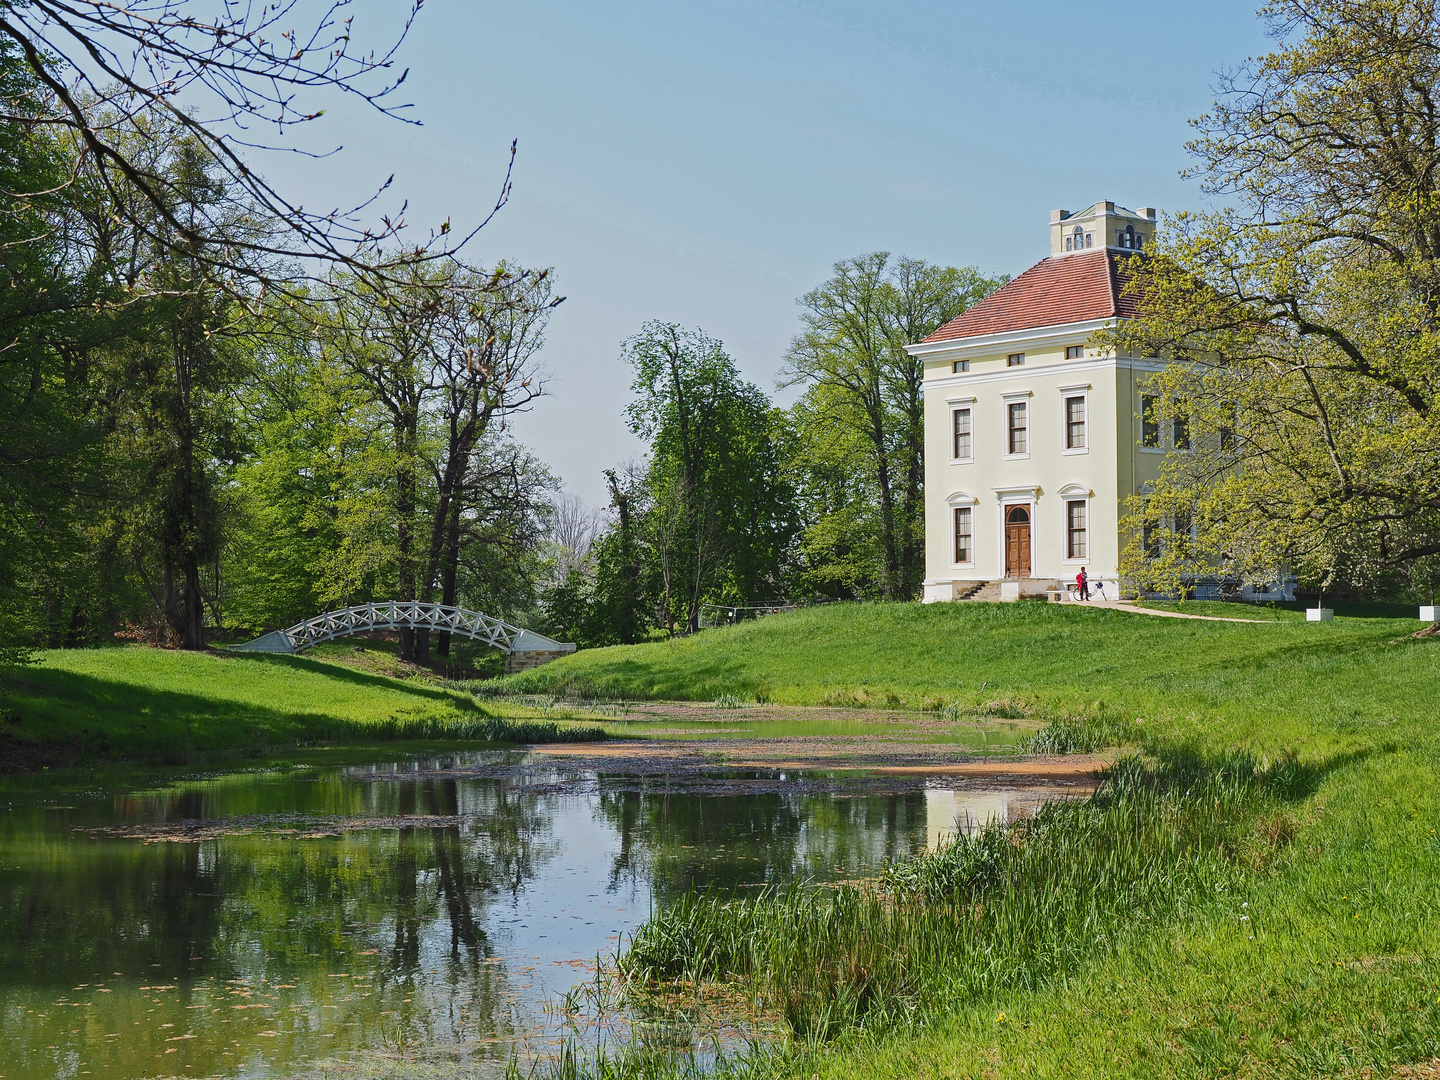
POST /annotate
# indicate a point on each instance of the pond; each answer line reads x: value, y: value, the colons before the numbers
x: 254, y: 923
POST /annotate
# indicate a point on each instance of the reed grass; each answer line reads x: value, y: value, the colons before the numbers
x: 489, y: 729
x: 1069, y: 735
x: 1010, y: 908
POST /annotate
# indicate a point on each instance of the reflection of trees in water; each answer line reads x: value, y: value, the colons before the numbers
x: 426, y: 887
x: 76, y: 907
x: 392, y: 904
x: 682, y: 841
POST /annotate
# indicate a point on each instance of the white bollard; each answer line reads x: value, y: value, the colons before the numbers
x: 1319, y: 614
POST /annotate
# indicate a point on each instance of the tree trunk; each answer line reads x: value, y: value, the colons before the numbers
x: 186, y: 528
x: 449, y: 571
x: 887, y: 517
x: 627, y: 560
x: 193, y: 635
x: 912, y: 547
x: 405, y: 545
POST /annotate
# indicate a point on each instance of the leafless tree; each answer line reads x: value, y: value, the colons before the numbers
x: 573, y: 527
x: 223, y: 75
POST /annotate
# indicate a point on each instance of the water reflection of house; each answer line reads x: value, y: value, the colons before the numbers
x: 948, y: 813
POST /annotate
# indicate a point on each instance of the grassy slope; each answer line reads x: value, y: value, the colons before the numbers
x: 152, y: 703
x: 1328, y: 965
x: 1317, y: 688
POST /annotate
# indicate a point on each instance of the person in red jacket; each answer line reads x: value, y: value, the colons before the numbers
x: 1082, y: 583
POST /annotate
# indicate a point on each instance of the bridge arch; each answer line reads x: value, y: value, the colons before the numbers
x: 525, y: 647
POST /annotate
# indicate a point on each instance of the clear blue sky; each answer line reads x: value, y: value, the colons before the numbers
x: 708, y: 163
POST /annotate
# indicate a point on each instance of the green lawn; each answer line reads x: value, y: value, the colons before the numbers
x: 158, y: 705
x: 1284, y: 611
x: 1316, y: 688
x: 1321, y: 958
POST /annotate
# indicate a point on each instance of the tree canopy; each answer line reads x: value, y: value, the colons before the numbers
x: 1304, y: 314
x: 860, y: 430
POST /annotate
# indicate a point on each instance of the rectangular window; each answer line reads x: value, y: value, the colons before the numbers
x: 1149, y: 422
x: 962, y: 447
x: 1150, y: 541
x: 1180, y: 433
x: 1227, y: 440
x: 1015, y: 359
x: 964, y: 549
x: 1074, y: 352
x: 1075, y: 423
x: 958, y: 366
x: 1077, y: 529
x: 1018, y: 441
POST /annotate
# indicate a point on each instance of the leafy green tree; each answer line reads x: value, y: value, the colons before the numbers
x: 598, y: 593
x: 1304, y: 317
x: 171, y: 382
x: 851, y: 357
x: 305, y: 426
x: 720, y: 521
x: 47, y: 447
x: 380, y: 468
x: 829, y: 468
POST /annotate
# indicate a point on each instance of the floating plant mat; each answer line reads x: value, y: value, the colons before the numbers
x: 292, y: 826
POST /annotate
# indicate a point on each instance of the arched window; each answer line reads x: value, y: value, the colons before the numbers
x: 1127, y: 238
x: 1079, y: 235
x: 1017, y: 515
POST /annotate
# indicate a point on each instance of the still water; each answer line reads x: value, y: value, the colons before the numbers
x: 253, y: 924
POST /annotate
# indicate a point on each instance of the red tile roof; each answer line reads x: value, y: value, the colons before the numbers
x: 1055, y: 291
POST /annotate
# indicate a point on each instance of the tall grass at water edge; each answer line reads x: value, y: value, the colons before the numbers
x: 1012, y: 907
x: 490, y: 729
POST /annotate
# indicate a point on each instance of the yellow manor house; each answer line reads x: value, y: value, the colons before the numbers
x: 1034, y: 440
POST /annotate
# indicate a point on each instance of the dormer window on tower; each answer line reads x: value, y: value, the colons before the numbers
x: 1130, y: 239
x: 1079, y: 240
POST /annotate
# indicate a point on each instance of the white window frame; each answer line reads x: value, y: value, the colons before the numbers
x: 961, y: 500
x: 1066, y: 393
x: 1073, y: 493
x: 955, y: 405
x: 1019, y: 397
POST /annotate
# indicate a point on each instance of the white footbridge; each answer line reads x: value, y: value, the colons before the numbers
x: 525, y: 647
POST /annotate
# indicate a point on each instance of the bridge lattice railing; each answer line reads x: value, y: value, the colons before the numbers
x: 403, y: 615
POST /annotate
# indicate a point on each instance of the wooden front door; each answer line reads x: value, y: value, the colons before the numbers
x: 1017, y: 541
